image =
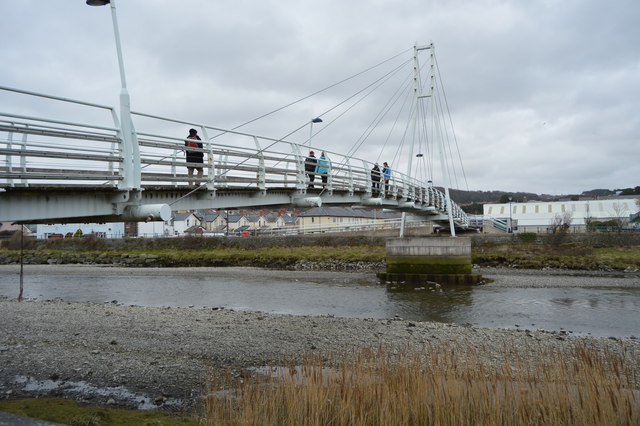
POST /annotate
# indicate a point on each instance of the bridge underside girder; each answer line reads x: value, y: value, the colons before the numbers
x: 60, y: 205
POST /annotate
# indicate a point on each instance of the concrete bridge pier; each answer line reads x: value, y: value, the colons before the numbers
x: 420, y: 260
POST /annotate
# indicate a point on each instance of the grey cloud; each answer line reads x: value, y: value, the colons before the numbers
x: 544, y: 95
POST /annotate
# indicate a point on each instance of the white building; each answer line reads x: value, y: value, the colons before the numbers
x: 155, y: 229
x: 100, y: 230
x: 537, y: 216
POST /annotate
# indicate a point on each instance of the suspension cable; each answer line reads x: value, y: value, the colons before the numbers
x: 314, y: 93
x: 380, y: 82
x: 374, y: 123
x: 395, y: 122
x: 439, y: 76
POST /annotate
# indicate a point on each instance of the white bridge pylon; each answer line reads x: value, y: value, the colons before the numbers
x: 56, y: 169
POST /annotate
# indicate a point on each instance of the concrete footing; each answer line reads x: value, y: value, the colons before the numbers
x: 418, y: 260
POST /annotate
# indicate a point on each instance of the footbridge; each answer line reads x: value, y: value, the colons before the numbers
x: 78, y: 161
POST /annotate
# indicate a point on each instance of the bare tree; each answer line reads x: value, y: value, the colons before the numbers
x: 559, y: 228
x: 561, y: 222
x: 588, y: 220
x: 620, y: 215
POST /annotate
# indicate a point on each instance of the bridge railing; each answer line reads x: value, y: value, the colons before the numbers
x: 50, y: 151
x: 242, y: 160
x: 57, y: 150
x: 364, y: 226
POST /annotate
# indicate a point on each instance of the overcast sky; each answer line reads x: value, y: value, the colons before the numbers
x: 544, y: 95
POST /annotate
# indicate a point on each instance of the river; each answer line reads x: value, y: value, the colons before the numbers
x: 580, y: 305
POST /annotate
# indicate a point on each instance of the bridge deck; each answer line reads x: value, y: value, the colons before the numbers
x: 57, y: 169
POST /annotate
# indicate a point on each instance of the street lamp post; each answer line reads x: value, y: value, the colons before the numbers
x: 315, y: 120
x: 131, y: 152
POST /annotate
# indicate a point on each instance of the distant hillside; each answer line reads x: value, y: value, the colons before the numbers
x: 483, y: 197
x: 598, y: 192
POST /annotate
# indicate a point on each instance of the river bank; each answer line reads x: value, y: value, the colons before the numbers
x: 145, y: 357
x: 594, y: 252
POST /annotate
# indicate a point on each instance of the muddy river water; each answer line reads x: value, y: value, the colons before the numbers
x: 576, y: 305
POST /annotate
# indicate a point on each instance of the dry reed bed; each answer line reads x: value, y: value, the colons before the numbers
x: 440, y: 385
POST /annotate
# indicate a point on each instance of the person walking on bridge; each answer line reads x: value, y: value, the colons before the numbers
x: 310, y: 167
x: 375, y: 179
x: 386, y: 173
x: 195, y: 158
x: 323, y: 167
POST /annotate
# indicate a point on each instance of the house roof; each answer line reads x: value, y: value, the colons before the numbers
x: 289, y: 219
x: 347, y: 212
x: 193, y: 229
x: 234, y: 217
x: 210, y: 216
x: 270, y: 217
x: 9, y: 227
x: 252, y: 216
x: 179, y: 217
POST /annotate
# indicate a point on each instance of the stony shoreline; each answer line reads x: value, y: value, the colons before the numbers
x: 142, y: 357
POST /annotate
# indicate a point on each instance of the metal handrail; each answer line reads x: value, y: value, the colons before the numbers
x: 232, y: 159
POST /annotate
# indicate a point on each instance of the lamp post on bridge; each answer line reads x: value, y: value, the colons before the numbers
x: 131, y: 165
x: 315, y: 120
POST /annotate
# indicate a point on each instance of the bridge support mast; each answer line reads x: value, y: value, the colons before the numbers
x: 130, y: 150
x: 443, y: 163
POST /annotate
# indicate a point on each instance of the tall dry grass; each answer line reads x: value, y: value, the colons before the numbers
x: 445, y: 385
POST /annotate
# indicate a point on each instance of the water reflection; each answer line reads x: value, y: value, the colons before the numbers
x: 596, y: 311
x: 441, y: 304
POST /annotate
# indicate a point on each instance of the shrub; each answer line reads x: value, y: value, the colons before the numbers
x: 527, y: 237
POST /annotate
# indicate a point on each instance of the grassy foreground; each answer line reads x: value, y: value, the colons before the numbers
x: 446, y: 384
x: 75, y: 414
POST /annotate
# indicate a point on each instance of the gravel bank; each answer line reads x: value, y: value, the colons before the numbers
x: 142, y: 357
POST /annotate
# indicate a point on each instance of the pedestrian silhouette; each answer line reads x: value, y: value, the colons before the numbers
x: 195, y: 158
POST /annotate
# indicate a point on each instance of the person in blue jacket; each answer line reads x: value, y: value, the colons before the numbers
x: 386, y: 173
x: 322, y: 168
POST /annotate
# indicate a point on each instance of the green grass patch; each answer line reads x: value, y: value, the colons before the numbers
x: 270, y: 257
x: 75, y: 414
x: 619, y: 257
x: 565, y: 256
x: 517, y: 253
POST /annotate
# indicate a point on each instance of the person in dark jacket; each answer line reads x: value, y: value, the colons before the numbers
x: 375, y: 179
x: 195, y: 159
x: 310, y: 167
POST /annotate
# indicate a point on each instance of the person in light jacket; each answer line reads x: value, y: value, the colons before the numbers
x: 386, y: 173
x: 322, y: 168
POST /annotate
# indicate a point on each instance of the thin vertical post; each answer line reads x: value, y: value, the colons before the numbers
x: 9, y: 158
x: 21, y: 263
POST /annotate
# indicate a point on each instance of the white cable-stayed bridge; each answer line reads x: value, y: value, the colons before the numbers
x: 66, y: 160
